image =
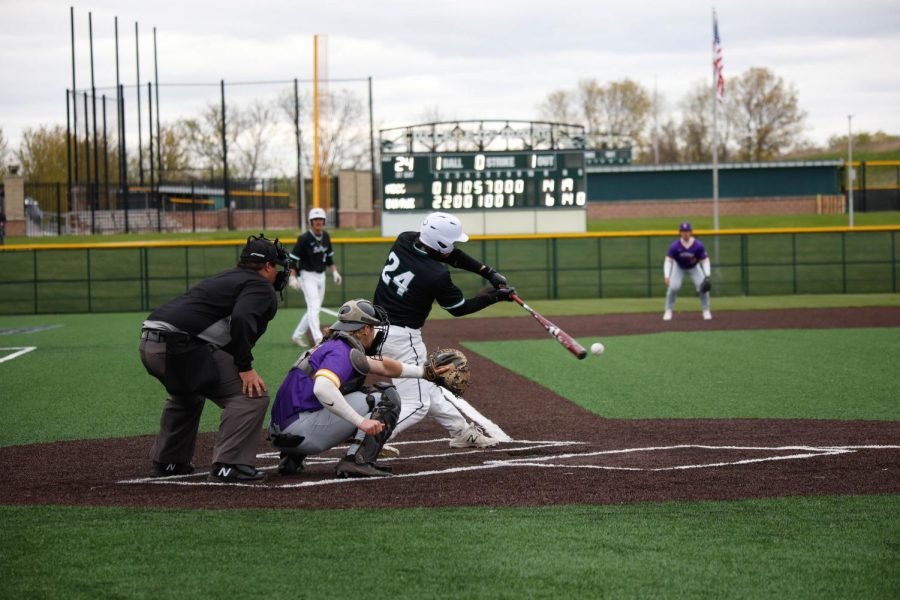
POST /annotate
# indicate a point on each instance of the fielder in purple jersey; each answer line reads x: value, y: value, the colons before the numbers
x: 686, y: 255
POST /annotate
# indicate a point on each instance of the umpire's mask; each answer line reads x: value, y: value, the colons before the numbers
x: 356, y: 314
x: 261, y: 249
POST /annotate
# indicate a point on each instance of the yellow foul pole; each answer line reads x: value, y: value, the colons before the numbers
x: 315, y: 181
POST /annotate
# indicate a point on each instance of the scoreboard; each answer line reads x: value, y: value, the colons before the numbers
x: 483, y: 181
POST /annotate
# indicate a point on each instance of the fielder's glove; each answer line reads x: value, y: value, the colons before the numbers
x: 456, y: 379
x: 706, y: 285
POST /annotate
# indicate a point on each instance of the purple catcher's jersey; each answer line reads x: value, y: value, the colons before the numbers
x: 687, y: 258
x: 330, y: 359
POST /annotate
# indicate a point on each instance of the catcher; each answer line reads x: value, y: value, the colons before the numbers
x: 331, y: 376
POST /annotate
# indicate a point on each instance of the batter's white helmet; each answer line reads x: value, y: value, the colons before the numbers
x: 317, y: 213
x: 439, y: 231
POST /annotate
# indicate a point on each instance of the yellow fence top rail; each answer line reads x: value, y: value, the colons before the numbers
x: 539, y: 236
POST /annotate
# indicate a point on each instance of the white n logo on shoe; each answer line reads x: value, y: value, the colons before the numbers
x: 170, y: 467
x: 224, y: 472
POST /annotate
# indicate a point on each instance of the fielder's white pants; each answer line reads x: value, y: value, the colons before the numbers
x: 312, y: 285
x: 675, y: 281
x: 419, y: 398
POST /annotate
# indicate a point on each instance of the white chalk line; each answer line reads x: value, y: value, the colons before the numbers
x: 20, y: 351
x: 541, y: 462
x: 491, y: 428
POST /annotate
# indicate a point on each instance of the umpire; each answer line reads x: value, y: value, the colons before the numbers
x: 199, y: 346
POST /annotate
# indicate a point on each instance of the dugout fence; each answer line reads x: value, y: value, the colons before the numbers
x: 79, y: 278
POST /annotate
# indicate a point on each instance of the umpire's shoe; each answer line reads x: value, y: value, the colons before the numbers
x: 347, y: 467
x: 168, y: 469
x: 290, y: 464
x: 225, y: 473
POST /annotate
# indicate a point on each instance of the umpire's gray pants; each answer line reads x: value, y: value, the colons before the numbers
x: 675, y: 281
x: 322, y: 430
x: 241, y: 421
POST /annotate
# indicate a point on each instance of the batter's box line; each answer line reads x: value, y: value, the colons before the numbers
x: 184, y: 479
x: 506, y: 448
x: 809, y: 452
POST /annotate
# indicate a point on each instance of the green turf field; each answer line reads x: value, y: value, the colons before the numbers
x: 784, y: 374
x: 787, y: 548
x: 85, y: 381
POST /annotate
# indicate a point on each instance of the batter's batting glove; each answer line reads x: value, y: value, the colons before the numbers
x: 706, y: 285
x: 503, y: 294
x: 497, y: 280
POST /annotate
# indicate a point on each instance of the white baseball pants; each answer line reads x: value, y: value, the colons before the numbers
x: 675, y: 281
x: 312, y: 285
x: 419, y: 398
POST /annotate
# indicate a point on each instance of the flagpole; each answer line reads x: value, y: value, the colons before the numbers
x: 715, y: 136
x: 715, y: 149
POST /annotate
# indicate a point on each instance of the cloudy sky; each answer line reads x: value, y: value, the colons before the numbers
x: 461, y: 59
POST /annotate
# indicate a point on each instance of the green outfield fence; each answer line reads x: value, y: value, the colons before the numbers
x: 79, y: 278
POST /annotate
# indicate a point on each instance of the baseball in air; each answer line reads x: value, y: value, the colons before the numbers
x: 597, y: 348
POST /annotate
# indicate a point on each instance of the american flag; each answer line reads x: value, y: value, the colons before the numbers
x: 718, y: 69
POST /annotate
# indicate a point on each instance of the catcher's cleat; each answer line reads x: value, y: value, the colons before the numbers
x: 225, y: 473
x: 667, y: 316
x: 473, y: 437
x: 347, y: 468
x: 169, y: 469
x: 388, y: 452
x: 291, y: 464
x: 707, y: 315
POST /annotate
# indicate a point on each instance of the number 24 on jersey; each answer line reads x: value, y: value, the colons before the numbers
x: 401, y: 280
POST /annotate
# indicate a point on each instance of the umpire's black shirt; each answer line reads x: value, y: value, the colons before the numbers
x: 243, y: 294
x: 313, y: 254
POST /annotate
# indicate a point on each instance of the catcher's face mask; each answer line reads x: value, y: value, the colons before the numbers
x: 356, y: 314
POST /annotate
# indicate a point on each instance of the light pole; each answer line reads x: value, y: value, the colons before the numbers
x: 851, y: 174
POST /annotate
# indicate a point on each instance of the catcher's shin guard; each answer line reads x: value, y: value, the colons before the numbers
x: 387, y: 410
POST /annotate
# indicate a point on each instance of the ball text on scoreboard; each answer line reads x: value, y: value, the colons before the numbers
x: 483, y: 180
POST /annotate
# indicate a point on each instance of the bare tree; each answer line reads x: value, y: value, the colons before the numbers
x: 764, y: 112
x: 696, y: 123
x: 668, y: 144
x: 618, y: 108
x: 4, y: 151
x: 254, y: 140
x: 42, y: 154
x: 203, y: 136
x: 558, y: 107
x: 625, y: 106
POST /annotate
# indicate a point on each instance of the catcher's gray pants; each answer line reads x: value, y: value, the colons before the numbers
x: 675, y: 280
x: 419, y: 398
x: 322, y: 430
x: 241, y: 421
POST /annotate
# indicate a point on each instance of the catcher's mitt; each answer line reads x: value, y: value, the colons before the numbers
x: 706, y: 285
x: 456, y: 379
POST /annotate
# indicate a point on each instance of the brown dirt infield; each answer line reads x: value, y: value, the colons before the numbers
x: 562, y: 453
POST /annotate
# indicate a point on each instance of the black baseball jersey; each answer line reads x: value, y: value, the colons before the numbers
x: 243, y: 294
x: 313, y: 254
x: 411, y: 281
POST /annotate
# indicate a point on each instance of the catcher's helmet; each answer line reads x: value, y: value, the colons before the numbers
x: 356, y: 314
x: 439, y: 231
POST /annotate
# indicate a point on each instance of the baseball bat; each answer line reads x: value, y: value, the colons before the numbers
x: 558, y: 334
